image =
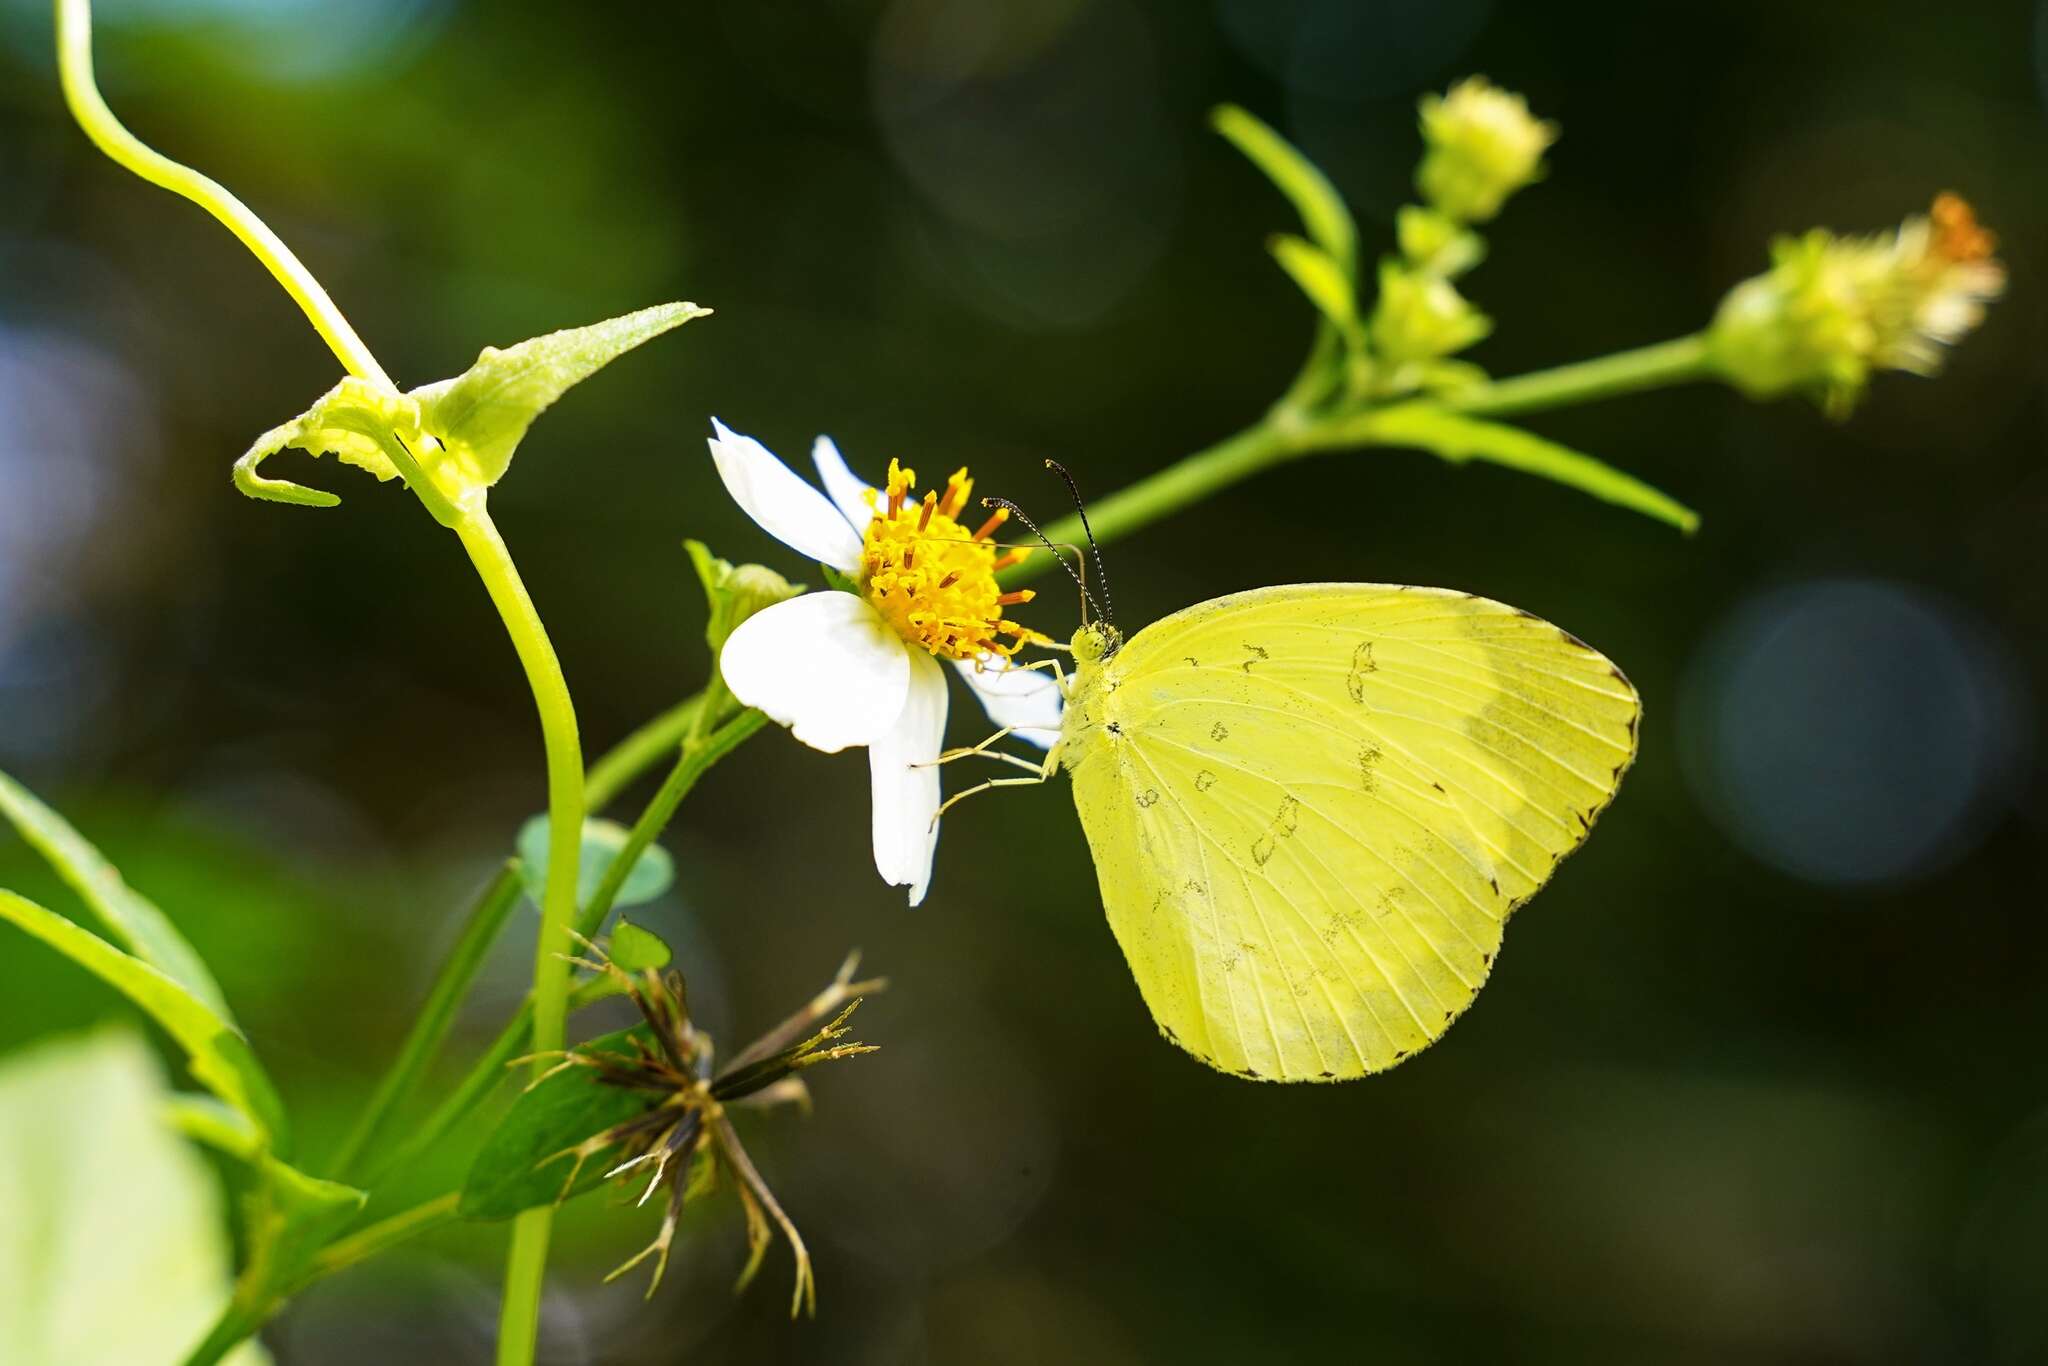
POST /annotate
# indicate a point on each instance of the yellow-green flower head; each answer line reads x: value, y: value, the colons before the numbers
x: 1421, y: 316
x: 1483, y: 144
x: 1832, y: 309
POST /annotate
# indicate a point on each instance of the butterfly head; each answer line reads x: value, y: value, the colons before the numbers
x: 1095, y: 642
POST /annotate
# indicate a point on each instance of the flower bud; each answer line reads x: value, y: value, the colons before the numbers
x: 1483, y: 145
x: 1832, y: 309
x: 1421, y: 316
x: 1434, y: 243
x: 734, y: 593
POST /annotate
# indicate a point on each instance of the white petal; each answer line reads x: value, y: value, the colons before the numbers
x: 847, y: 489
x: 1025, y: 700
x: 824, y: 664
x: 786, y: 507
x: 903, y: 769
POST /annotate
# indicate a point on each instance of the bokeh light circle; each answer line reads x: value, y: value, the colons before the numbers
x: 1852, y: 732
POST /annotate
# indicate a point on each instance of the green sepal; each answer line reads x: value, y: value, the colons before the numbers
x: 653, y: 872
x: 132, y: 919
x: 1457, y: 439
x: 734, y: 593
x: 1437, y: 243
x: 525, y: 1160
x: 1322, y: 209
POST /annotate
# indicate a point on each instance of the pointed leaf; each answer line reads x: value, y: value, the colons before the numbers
x: 113, y: 1246
x: 1321, y: 208
x: 633, y: 948
x: 1318, y: 276
x: 132, y: 919
x: 652, y: 874
x: 219, y: 1056
x: 481, y: 415
x: 525, y: 1161
x: 1459, y: 439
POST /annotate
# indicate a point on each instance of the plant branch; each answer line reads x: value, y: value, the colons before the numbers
x: 526, y: 1262
x: 1678, y: 361
x: 1287, y: 432
x: 488, y: 1071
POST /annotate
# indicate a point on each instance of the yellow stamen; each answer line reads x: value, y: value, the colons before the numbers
x: 933, y: 580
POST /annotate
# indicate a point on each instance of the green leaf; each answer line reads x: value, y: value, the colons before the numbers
x: 112, y: 1247
x: 452, y: 439
x: 481, y: 415
x: 133, y: 920
x: 291, y: 1217
x: 1321, y: 208
x: 633, y: 948
x: 652, y: 873
x: 524, y: 1162
x: 1458, y: 439
x: 220, y: 1057
x: 212, y: 1121
x: 355, y: 421
x: 1318, y: 276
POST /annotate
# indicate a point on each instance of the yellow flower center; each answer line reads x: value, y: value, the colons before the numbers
x: 933, y: 579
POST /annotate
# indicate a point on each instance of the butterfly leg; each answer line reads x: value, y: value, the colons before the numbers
x: 983, y: 749
x: 1044, y: 774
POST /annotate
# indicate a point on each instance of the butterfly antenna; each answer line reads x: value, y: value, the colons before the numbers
x: 1101, y: 573
x: 1087, y: 598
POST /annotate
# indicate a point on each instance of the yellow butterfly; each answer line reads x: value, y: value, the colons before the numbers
x: 1312, y: 808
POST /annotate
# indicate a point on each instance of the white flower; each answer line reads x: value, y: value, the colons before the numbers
x: 843, y: 669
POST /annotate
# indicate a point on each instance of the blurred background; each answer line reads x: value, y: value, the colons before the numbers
x: 1759, y: 1078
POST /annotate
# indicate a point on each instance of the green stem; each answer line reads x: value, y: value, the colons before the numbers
x: 488, y: 1070
x: 698, y: 754
x: 458, y: 971
x: 648, y: 746
x: 81, y: 93
x: 234, y: 1327
x: 526, y: 1262
x: 1187, y: 481
x: 380, y: 1237
x: 1678, y: 361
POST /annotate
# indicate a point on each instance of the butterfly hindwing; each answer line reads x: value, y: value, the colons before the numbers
x: 1312, y: 809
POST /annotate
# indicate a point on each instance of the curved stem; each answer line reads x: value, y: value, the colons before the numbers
x: 526, y: 1262
x: 74, y: 70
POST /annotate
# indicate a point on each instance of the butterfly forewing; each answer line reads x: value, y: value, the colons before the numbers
x: 1312, y: 809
